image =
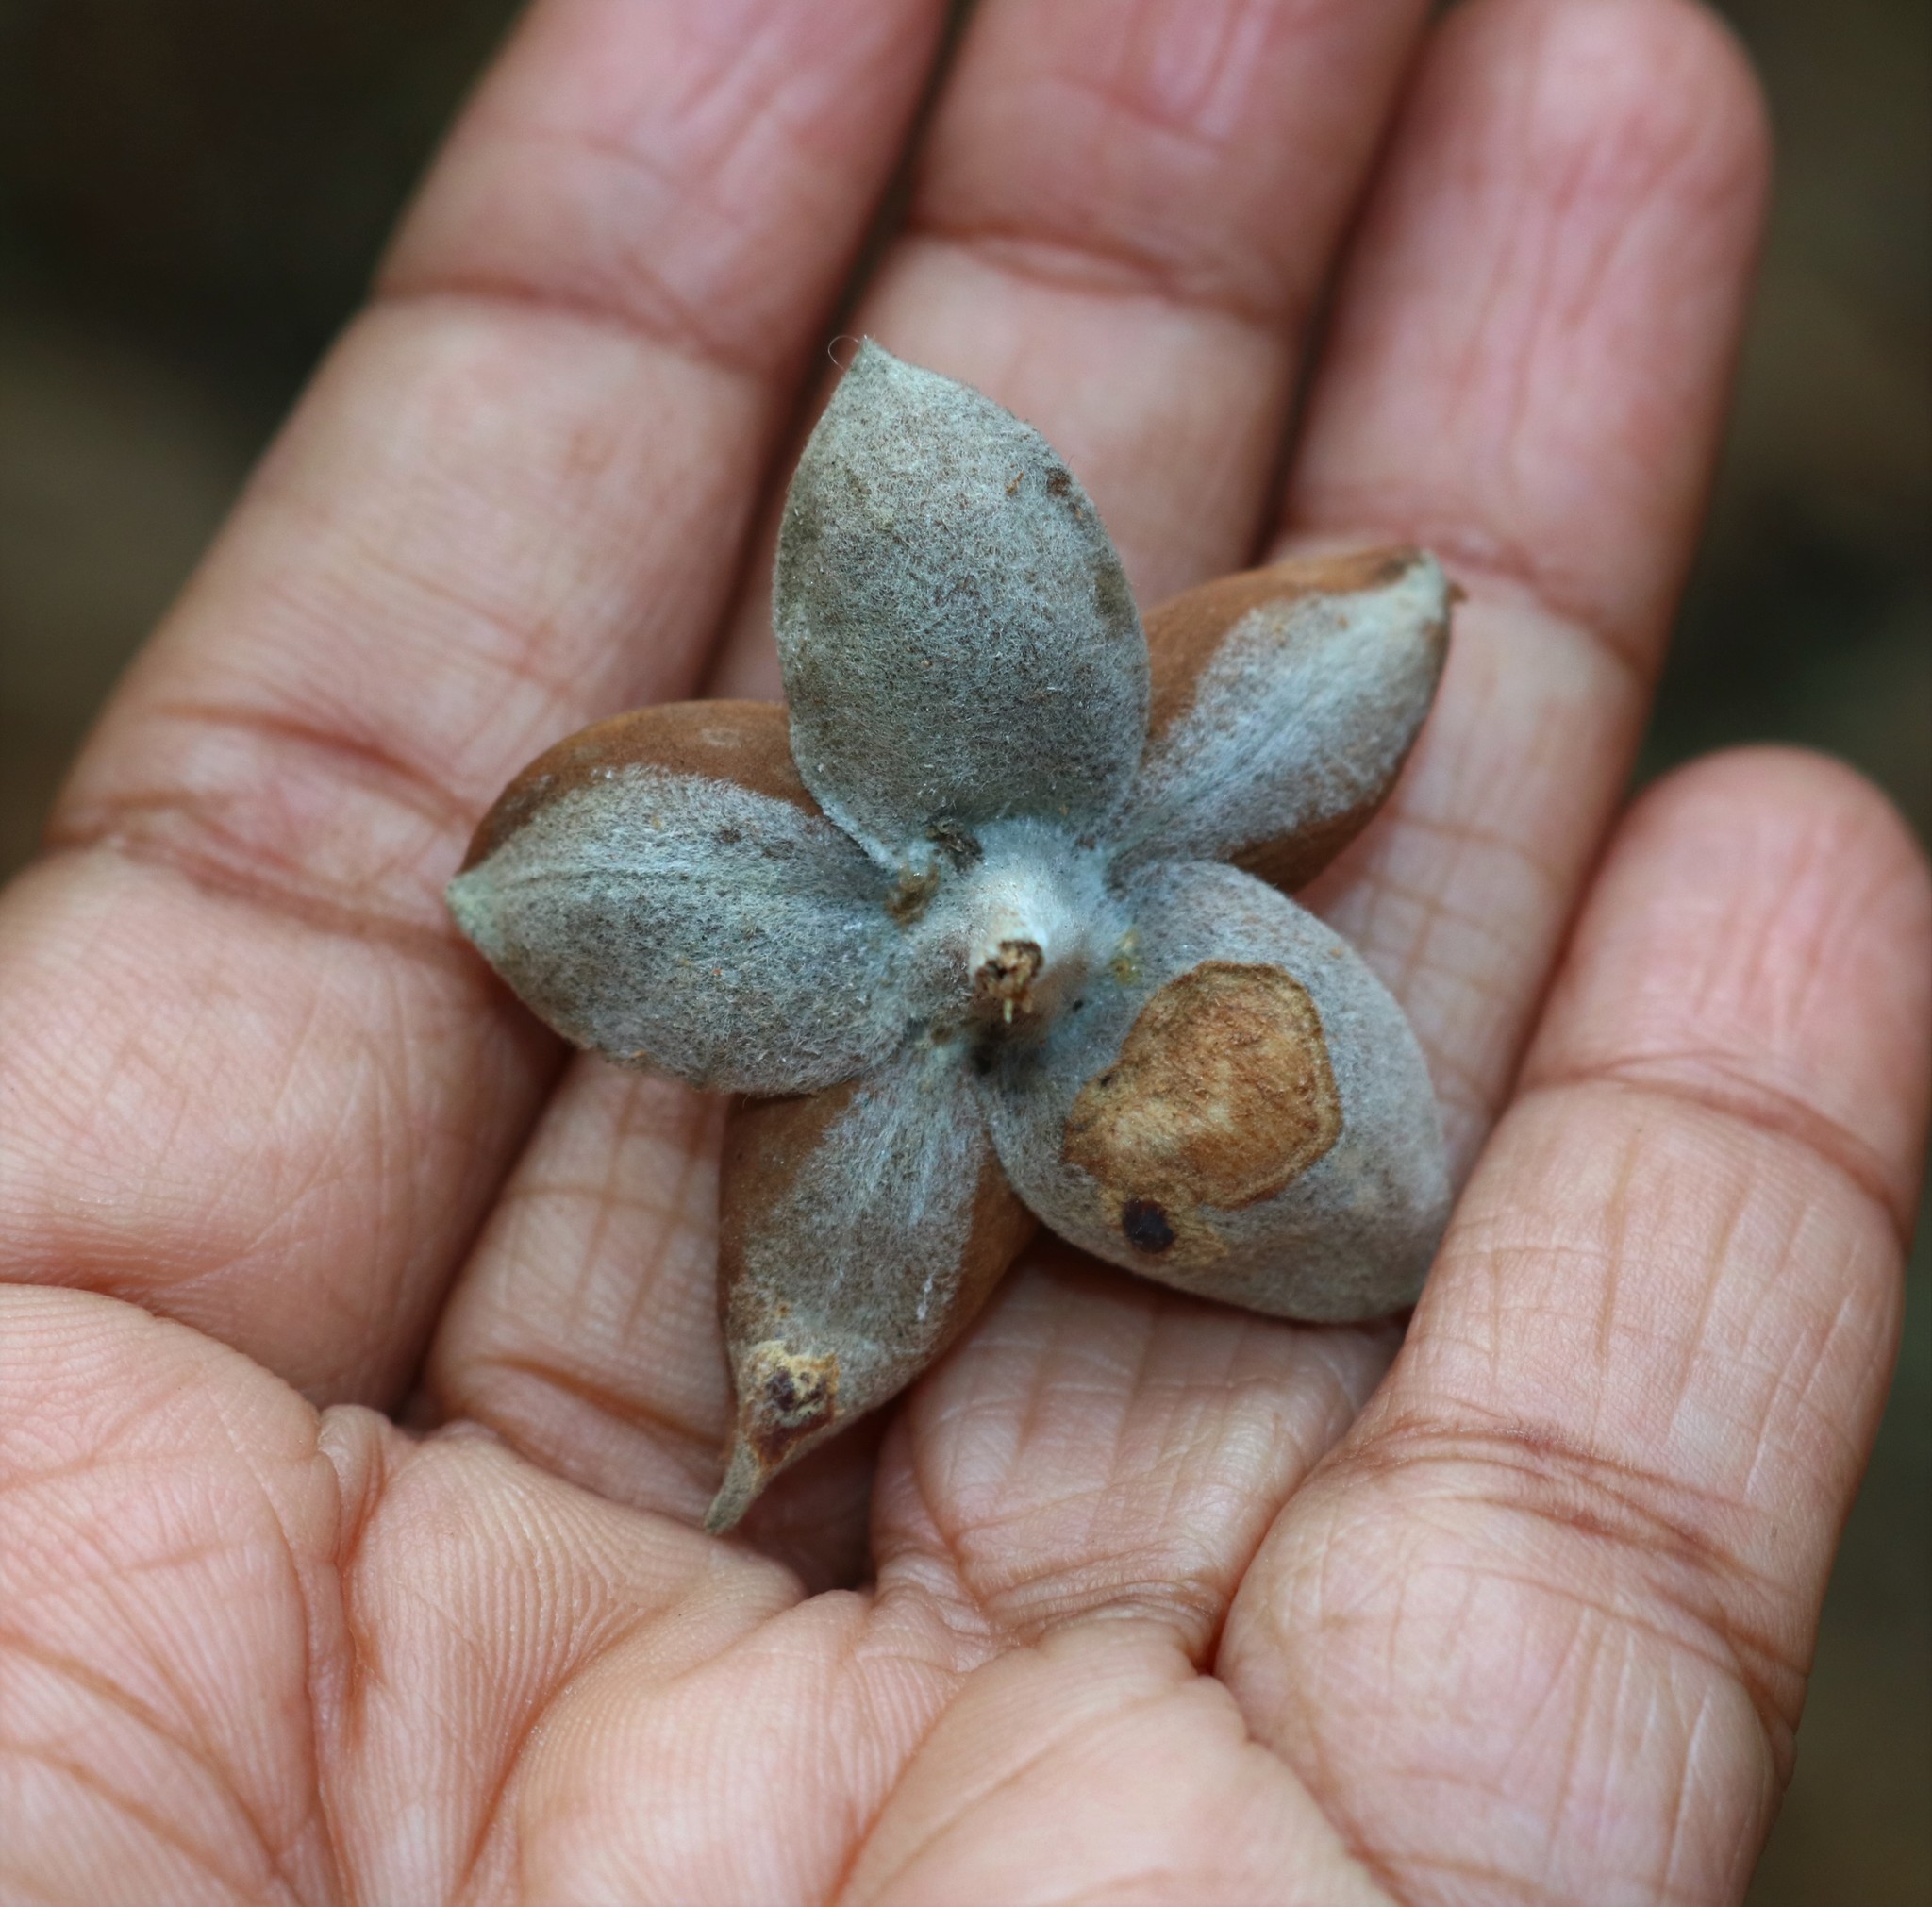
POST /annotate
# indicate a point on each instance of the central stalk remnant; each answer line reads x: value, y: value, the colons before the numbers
x: 1003, y: 983
x: 1015, y: 927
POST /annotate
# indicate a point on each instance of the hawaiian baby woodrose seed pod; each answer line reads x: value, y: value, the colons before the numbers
x: 990, y: 926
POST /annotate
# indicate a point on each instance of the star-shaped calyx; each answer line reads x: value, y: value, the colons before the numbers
x: 993, y: 924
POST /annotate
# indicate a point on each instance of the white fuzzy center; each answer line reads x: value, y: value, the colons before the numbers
x: 1012, y: 933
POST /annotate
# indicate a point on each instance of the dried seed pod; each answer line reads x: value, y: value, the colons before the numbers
x: 662, y: 888
x: 863, y: 1227
x: 1005, y: 952
x: 1239, y: 1108
x: 959, y: 641
x: 1285, y: 702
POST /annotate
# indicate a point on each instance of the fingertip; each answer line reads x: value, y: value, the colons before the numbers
x: 1645, y: 85
x: 1529, y: 358
x: 1761, y: 932
x: 1784, y: 784
x: 1729, y: 77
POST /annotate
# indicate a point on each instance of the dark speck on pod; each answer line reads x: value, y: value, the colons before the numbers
x: 1145, y: 1227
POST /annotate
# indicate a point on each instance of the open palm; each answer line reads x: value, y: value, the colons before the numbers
x: 1134, y: 1597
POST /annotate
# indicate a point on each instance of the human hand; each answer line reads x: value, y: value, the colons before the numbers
x: 1159, y: 1600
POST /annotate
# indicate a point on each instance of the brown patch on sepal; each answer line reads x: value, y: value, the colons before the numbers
x: 911, y: 892
x: 1221, y: 1096
x: 787, y: 1396
x: 747, y: 742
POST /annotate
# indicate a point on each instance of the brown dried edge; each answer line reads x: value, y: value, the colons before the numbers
x: 1184, y: 635
x: 748, y: 742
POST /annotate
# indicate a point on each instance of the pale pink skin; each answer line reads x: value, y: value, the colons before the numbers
x: 1159, y: 1601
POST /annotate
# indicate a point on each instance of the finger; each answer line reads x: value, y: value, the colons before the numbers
x: 254, y: 1084
x: 1100, y: 1444
x: 1100, y: 1768
x: 1545, y: 1616
x: 1119, y: 225
x: 1527, y: 370
x: 1120, y: 220
x: 251, y: 1651
x: 254, y: 1653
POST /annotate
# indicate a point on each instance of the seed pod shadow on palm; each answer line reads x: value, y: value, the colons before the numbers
x: 973, y: 942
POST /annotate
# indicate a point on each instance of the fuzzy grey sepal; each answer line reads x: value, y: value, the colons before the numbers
x: 959, y: 641
x: 1331, y: 1097
x: 693, y: 925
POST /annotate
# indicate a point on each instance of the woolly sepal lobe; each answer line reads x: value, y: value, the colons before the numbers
x: 863, y: 1228
x: 1242, y: 1110
x: 958, y: 639
x: 649, y: 900
x: 1285, y: 702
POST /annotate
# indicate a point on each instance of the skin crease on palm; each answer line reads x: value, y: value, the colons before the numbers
x: 360, y: 1368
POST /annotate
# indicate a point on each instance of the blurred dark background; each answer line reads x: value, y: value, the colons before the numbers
x: 192, y: 193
